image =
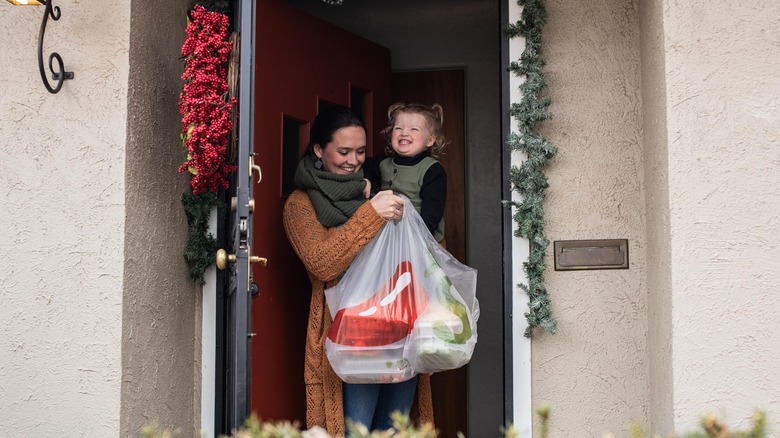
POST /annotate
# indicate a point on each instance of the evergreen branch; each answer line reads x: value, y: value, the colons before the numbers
x: 528, y: 179
x: 220, y: 6
x: 201, y: 245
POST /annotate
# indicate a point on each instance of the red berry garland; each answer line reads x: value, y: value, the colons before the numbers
x: 205, y: 106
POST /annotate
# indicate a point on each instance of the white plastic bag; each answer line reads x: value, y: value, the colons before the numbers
x: 405, y: 306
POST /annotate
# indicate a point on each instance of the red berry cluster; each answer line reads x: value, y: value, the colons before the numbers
x: 205, y: 105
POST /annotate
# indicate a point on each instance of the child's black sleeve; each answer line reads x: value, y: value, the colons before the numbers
x: 372, y: 173
x: 434, y: 195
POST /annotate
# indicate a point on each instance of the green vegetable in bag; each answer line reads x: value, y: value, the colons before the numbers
x: 440, y: 328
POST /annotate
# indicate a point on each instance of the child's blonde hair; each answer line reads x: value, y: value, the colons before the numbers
x: 433, y: 114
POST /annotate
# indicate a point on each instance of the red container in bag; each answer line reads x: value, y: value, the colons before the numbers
x: 387, y: 317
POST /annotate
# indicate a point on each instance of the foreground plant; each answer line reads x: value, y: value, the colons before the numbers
x: 711, y: 428
x: 254, y: 428
x: 403, y: 427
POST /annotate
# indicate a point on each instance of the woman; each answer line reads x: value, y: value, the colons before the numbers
x: 328, y: 221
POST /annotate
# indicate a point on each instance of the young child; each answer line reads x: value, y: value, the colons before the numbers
x: 415, y: 140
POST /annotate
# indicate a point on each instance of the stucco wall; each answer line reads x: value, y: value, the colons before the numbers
x: 594, y: 371
x: 62, y: 222
x: 655, y: 149
x: 722, y: 85
x: 161, y: 319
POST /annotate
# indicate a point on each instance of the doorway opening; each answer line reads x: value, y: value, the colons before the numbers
x: 465, y: 35
x: 444, y: 52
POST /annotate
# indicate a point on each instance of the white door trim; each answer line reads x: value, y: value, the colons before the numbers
x: 521, y: 348
x: 208, y: 349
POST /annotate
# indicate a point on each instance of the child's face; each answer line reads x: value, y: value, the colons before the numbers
x: 411, y: 134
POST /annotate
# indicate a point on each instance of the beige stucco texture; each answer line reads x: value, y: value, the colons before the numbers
x: 593, y: 372
x: 62, y: 222
x: 658, y: 233
x: 161, y: 306
x: 723, y: 88
x: 667, y: 121
x: 100, y: 322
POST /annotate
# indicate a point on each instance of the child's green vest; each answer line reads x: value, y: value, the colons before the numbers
x: 407, y: 180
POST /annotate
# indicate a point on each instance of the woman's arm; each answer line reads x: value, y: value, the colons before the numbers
x: 327, y: 253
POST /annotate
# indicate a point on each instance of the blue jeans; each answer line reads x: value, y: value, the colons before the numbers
x: 372, y: 404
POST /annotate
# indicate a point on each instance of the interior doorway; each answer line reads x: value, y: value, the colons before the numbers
x: 465, y: 36
x: 445, y: 87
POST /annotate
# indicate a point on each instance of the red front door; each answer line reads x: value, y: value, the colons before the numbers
x: 302, y: 64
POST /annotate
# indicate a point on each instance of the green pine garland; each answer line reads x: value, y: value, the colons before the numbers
x: 201, y: 245
x: 221, y: 6
x: 529, y: 179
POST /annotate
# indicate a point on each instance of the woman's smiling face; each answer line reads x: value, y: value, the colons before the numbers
x: 345, y: 153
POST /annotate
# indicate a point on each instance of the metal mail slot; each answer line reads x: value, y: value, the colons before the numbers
x: 573, y: 255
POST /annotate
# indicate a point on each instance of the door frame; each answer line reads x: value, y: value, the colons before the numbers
x: 225, y: 376
x: 514, y: 401
x: 517, y: 361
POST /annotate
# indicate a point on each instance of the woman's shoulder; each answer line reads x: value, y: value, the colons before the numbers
x: 298, y: 196
x: 296, y: 201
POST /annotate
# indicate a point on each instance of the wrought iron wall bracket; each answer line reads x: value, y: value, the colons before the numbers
x: 60, y: 74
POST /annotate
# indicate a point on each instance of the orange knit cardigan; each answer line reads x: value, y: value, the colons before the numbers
x: 326, y: 253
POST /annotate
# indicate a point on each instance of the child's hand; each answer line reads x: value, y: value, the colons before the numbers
x: 367, y: 189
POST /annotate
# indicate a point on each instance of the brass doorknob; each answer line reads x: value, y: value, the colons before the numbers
x: 234, y: 204
x: 257, y: 259
x: 223, y: 258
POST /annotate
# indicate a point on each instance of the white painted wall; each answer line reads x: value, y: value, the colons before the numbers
x: 522, y: 404
x: 722, y: 85
x: 62, y: 222
x: 208, y: 359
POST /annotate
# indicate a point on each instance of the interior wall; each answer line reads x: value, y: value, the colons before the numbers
x: 593, y: 372
x: 656, y: 167
x: 457, y: 34
x: 722, y: 60
x: 62, y: 221
x: 161, y: 306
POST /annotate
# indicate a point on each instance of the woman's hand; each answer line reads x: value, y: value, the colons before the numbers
x: 388, y: 205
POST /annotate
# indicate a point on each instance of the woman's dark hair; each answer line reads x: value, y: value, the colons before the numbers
x: 328, y: 121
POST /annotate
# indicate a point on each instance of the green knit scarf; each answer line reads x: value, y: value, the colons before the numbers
x: 335, y: 197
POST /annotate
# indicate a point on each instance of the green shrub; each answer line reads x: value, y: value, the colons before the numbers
x: 713, y: 428
x: 404, y: 428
